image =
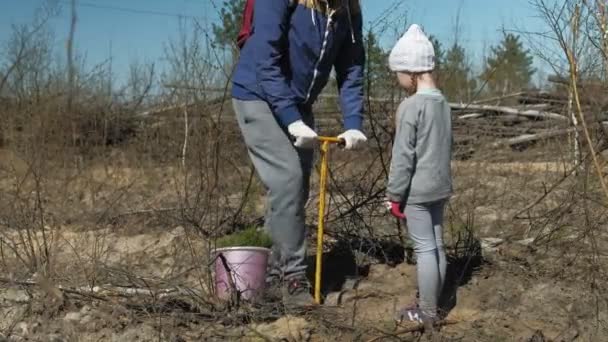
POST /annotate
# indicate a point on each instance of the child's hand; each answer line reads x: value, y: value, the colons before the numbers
x: 394, y: 209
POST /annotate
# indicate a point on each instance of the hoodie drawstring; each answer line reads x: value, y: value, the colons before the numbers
x: 350, y: 21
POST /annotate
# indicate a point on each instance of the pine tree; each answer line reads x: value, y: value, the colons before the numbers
x: 378, y: 76
x: 439, y: 54
x: 231, y: 16
x: 509, y: 67
x: 458, y: 82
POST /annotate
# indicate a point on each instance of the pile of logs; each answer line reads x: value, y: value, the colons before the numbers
x: 529, y: 118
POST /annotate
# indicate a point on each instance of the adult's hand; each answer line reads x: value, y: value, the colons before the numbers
x: 353, y: 139
x: 305, y: 136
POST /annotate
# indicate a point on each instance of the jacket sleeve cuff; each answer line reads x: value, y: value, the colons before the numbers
x: 353, y: 122
x: 393, y: 197
x: 289, y: 115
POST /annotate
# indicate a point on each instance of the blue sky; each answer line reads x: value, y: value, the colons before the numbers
x: 139, y: 29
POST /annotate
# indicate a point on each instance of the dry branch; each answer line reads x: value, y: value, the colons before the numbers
x: 104, y: 292
x: 471, y: 116
x: 502, y: 97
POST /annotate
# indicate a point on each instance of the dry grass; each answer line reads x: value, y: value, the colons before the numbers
x: 112, y: 216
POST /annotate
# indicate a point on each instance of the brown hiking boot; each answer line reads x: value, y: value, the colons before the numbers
x: 297, y: 293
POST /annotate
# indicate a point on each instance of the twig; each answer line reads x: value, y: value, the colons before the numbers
x: 186, y: 133
x: 22, y: 53
x: 547, y: 192
x: 70, y: 55
x: 235, y: 294
x: 30, y: 283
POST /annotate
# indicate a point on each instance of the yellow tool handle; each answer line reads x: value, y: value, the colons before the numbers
x: 321, y: 223
x: 325, y: 142
x: 331, y: 140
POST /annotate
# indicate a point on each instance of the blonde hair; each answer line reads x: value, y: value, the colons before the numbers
x: 354, y: 4
x: 310, y: 3
x: 418, y: 75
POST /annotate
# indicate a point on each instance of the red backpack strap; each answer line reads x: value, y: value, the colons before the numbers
x: 247, y: 23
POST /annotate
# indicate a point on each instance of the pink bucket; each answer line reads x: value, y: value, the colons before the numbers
x: 247, y: 265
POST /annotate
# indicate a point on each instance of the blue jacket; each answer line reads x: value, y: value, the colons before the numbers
x: 288, y: 58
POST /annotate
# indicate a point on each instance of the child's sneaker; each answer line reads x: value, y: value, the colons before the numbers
x: 414, y: 304
x: 417, y: 316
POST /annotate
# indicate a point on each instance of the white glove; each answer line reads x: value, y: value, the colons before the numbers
x: 353, y: 138
x: 305, y: 136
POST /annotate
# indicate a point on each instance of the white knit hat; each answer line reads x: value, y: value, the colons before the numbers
x: 414, y: 52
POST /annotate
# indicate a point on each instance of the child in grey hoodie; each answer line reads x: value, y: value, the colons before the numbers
x: 420, y: 181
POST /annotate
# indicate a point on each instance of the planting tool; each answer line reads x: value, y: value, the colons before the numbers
x: 325, y: 142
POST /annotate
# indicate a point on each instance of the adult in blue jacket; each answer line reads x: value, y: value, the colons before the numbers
x: 283, y: 66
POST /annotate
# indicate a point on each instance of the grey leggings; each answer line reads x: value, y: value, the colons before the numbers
x: 425, y: 228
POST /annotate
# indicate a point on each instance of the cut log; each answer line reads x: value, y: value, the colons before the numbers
x: 499, y: 98
x: 530, y: 113
x: 526, y: 138
x: 536, y: 106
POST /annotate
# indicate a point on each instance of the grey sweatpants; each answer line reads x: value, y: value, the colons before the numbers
x: 285, y: 172
x: 425, y: 228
